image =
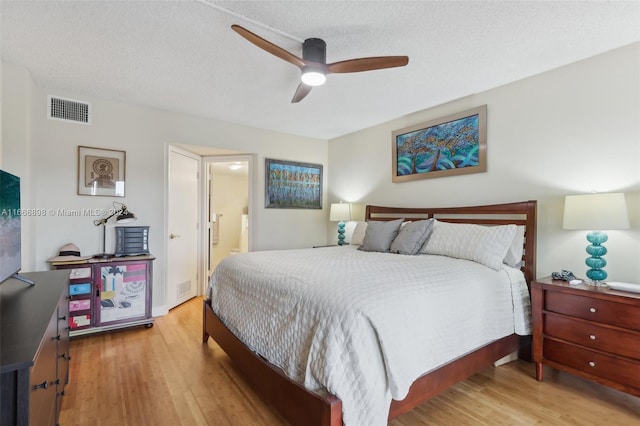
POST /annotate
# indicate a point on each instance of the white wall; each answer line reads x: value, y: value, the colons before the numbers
x: 44, y: 153
x: 568, y: 131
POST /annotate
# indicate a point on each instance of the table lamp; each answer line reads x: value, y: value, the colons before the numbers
x: 340, y: 212
x: 124, y: 216
x: 596, y: 212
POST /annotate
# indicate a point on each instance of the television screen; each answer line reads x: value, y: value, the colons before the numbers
x: 9, y: 225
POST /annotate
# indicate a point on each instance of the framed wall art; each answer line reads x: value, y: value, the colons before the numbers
x: 101, y: 172
x: 448, y: 146
x: 292, y: 185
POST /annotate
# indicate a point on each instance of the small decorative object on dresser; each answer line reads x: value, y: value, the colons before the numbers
x: 592, y: 332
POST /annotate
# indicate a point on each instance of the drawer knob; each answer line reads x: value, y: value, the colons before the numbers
x: 592, y: 309
x: 42, y: 385
x: 592, y: 364
x: 592, y: 337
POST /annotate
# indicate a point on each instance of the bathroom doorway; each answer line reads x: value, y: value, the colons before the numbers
x: 229, y: 182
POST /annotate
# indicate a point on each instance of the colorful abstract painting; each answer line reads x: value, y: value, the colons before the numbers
x: 292, y: 185
x: 451, y: 145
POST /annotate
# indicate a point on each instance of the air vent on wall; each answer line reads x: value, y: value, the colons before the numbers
x: 183, y: 289
x: 68, y: 110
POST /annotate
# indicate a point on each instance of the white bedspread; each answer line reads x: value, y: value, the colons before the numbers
x: 363, y: 326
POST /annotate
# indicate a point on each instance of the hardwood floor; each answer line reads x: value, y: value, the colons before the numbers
x: 165, y: 376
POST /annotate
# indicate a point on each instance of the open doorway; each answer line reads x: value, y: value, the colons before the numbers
x: 229, y: 189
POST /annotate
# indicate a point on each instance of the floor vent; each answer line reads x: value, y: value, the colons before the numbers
x: 184, y: 288
x: 68, y: 110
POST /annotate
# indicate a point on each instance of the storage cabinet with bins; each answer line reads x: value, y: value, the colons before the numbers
x: 111, y: 293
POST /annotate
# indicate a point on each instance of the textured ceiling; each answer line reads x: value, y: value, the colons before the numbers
x: 183, y: 56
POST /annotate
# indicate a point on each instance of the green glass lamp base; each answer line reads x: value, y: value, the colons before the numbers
x: 597, y: 273
x: 341, y: 236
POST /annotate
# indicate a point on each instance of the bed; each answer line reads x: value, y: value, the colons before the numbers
x: 403, y: 359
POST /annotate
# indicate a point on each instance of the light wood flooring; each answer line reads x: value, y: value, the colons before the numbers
x: 165, y: 376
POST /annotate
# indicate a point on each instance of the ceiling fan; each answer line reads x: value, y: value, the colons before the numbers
x: 313, y: 63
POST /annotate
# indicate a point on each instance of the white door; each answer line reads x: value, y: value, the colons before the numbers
x: 182, y: 260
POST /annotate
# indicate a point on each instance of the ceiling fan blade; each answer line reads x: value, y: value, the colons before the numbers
x: 268, y: 46
x: 302, y: 91
x: 367, y: 64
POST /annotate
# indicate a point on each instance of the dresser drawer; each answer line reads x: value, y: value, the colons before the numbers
x: 42, y: 392
x: 77, y: 321
x: 76, y: 289
x: 79, y: 305
x: 77, y: 273
x: 592, y: 309
x: 607, y: 367
x: 592, y: 335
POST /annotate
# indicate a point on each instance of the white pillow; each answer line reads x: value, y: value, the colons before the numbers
x: 513, y: 257
x: 486, y: 245
x: 358, y: 233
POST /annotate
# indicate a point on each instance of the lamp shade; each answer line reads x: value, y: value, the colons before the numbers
x: 595, y: 212
x: 340, y: 212
x: 125, y: 216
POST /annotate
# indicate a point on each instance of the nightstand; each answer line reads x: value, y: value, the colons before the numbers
x: 592, y: 332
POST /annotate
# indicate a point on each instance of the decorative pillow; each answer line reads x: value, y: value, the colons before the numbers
x: 513, y: 257
x: 486, y: 245
x: 379, y: 235
x: 412, y: 236
x: 358, y: 233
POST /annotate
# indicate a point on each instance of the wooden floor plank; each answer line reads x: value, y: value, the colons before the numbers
x: 166, y: 376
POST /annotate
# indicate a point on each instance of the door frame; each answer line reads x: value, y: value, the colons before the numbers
x: 204, y: 179
x: 199, y: 262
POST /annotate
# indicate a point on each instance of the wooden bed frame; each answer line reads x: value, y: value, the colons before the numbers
x: 302, y: 407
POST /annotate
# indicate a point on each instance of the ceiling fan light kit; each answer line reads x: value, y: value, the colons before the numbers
x: 313, y: 76
x: 313, y: 63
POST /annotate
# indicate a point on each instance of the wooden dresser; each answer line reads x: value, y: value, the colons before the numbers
x: 592, y: 332
x: 34, y: 348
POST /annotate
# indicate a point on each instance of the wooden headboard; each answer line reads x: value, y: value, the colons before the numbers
x: 521, y: 213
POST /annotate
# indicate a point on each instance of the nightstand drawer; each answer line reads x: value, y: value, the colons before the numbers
x: 592, y: 335
x: 598, y: 310
x: 607, y: 367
